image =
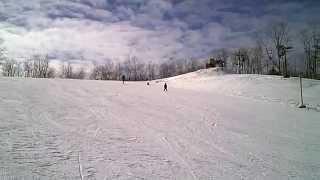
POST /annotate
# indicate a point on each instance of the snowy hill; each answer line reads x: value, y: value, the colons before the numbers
x: 207, y: 126
x: 255, y: 87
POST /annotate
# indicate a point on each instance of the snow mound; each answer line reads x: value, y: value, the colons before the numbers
x: 202, y: 73
x: 266, y: 88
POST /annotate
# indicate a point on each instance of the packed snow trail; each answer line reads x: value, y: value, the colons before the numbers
x: 70, y: 129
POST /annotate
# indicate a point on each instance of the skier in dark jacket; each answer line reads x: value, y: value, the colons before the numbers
x: 123, y: 78
x: 165, y: 87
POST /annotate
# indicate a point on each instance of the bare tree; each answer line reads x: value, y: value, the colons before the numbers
x: 103, y: 71
x: 27, y: 66
x: 118, y: 71
x: 151, y: 71
x: 264, y: 41
x: 241, y: 61
x: 141, y: 72
x: 310, y: 38
x: 223, y: 56
x: 80, y: 74
x: 134, y: 61
x: 2, y: 54
x: 164, y: 70
x: 107, y: 70
x: 40, y: 65
x: 8, y: 68
x: 280, y: 37
x: 167, y: 69
x: 256, y: 59
x: 95, y: 73
x: 7, y: 64
x: 128, y: 68
x: 67, y: 71
x: 180, y: 66
x: 18, y: 69
x: 193, y: 65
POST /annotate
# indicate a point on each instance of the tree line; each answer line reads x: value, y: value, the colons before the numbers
x: 39, y: 66
x: 35, y: 67
x: 268, y: 55
x: 271, y: 53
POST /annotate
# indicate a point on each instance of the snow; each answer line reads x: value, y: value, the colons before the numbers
x: 209, y: 125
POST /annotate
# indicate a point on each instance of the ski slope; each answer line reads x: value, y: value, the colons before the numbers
x: 207, y: 126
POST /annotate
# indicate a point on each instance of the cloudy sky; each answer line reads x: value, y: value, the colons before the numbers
x: 152, y: 30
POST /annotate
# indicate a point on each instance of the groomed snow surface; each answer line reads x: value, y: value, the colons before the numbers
x: 207, y: 126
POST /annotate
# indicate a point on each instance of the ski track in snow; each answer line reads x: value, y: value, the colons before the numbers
x: 219, y: 127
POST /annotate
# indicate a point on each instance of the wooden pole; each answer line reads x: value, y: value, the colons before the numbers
x: 301, y: 97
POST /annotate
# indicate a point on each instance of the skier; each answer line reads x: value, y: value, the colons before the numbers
x: 123, y: 78
x: 165, y: 87
x: 148, y: 83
